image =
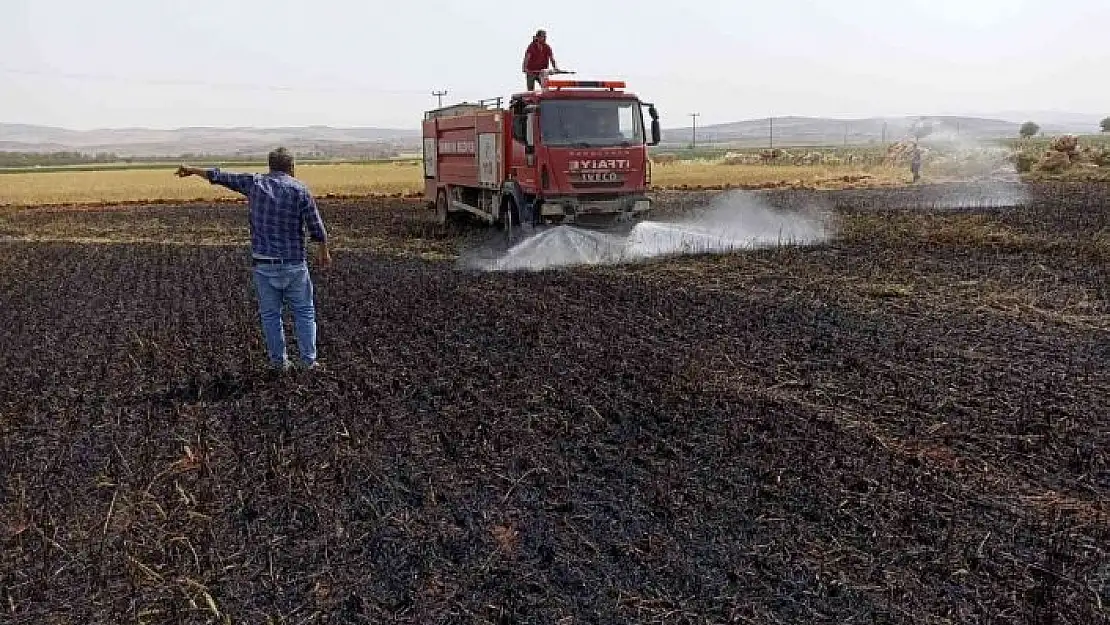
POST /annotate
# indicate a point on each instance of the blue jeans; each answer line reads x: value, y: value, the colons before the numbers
x: 276, y: 285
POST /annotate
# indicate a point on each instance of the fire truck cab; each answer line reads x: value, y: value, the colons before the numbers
x: 574, y: 152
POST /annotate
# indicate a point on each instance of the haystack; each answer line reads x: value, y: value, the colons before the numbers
x: 1095, y: 155
x: 1101, y: 157
x: 1054, y: 161
x: 902, y: 151
x: 740, y: 158
x: 1067, y: 144
x: 810, y: 158
x: 774, y: 154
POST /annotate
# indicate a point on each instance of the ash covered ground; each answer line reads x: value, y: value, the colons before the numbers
x: 905, y: 421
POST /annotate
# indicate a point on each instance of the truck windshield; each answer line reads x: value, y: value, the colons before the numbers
x: 591, y: 123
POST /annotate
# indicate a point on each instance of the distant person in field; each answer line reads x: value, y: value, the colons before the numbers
x: 280, y: 208
x: 915, y: 163
x: 537, y: 58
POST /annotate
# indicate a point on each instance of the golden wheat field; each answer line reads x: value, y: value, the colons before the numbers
x: 713, y: 173
x: 351, y: 179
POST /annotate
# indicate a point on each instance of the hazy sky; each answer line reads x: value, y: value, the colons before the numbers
x: 163, y: 64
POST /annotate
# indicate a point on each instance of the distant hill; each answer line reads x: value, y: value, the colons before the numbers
x: 1054, y: 121
x: 788, y: 131
x: 326, y: 141
x: 139, y: 142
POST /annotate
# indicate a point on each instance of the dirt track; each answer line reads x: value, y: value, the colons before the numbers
x: 907, y: 425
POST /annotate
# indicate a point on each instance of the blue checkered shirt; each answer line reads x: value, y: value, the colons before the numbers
x: 280, y: 207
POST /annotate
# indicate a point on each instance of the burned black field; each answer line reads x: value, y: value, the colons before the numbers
x: 907, y: 424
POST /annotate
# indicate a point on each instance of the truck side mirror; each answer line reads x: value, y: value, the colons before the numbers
x: 520, y: 128
x: 656, y: 133
x: 529, y: 131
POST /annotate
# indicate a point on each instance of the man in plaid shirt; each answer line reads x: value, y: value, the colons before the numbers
x: 280, y: 207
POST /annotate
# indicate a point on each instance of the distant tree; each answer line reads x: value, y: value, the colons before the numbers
x: 1105, y: 125
x: 48, y: 159
x: 1028, y: 129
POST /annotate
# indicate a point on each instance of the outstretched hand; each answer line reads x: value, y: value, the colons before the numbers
x: 185, y: 171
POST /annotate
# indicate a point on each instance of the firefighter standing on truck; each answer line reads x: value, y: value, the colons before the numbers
x: 536, y: 59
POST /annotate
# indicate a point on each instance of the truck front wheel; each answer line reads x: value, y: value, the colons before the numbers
x: 510, y: 218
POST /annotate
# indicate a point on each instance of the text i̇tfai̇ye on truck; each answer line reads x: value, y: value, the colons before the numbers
x: 574, y: 152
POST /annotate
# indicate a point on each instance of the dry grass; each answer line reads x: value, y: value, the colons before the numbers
x: 1072, y: 174
x: 705, y: 173
x: 30, y: 189
x: 116, y: 185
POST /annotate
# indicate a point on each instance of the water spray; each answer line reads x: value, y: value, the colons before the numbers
x: 734, y: 222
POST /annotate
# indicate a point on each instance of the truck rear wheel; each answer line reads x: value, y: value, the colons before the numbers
x: 441, y: 207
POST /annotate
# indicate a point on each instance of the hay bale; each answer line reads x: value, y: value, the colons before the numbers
x: 810, y: 158
x: 1054, y: 161
x: 1100, y: 157
x: 1023, y: 162
x: 901, y: 151
x: 1092, y: 155
x: 775, y: 155
x: 739, y: 158
x: 770, y: 155
x: 1067, y: 144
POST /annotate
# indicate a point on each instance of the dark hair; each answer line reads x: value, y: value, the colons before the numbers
x: 540, y: 33
x: 281, y: 160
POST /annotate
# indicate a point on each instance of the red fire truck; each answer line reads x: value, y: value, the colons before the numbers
x: 573, y: 152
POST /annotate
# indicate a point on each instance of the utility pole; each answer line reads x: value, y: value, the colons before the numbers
x: 439, y: 95
x: 694, y: 131
x: 884, y: 134
x: 772, y: 132
x: 845, y: 135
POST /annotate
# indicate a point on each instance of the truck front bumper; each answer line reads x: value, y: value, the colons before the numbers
x: 570, y: 208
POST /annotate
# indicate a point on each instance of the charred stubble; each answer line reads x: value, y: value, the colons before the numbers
x: 763, y: 438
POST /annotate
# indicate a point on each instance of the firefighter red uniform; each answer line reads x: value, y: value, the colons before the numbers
x: 536, y: 59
